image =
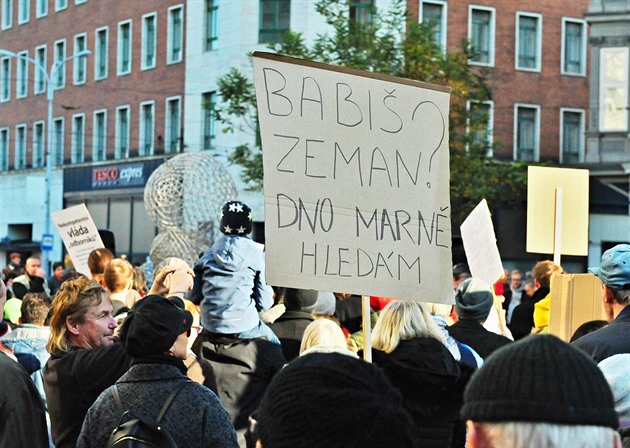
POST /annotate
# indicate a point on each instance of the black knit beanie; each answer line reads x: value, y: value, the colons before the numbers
x: 300, y: 299
x: 236, y: 218
x: 540, y: 379
x: 152, y: 326
x: 330, y: 400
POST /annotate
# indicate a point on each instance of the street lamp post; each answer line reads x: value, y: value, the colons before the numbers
x: 50, y: 93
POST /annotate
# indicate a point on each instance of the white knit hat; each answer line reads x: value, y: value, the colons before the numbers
x: 326, y: 304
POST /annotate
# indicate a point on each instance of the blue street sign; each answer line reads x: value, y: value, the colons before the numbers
x: 47, y: 241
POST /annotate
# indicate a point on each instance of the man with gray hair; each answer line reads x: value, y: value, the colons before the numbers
x: 613, y: 339
x: 556, y: 397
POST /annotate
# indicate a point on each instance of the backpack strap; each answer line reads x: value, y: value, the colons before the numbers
x: 117, y: 397
x: 170, y: 399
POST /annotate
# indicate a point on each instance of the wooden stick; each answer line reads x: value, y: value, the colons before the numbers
x: 367, y: 328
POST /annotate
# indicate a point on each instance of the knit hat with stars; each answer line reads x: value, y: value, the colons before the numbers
x: 236, y: 218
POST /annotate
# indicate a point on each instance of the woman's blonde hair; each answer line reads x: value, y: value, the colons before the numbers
x: 118, y: 275
x: 401, y: 320
x: 72, y: 302
x: 324, y: 333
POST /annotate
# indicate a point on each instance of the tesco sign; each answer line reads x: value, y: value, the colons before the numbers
x: 118, y: 176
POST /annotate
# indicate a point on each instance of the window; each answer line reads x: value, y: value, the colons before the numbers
x: 361, y: 10
x: 481, y: 35
x: 480, y: 123
x: 275, y: 16
x: 211, y: 29
x: 39, y: 84
x: 147, y: 127
x: 60, y: 56
x: 175, y: 34
x: 434, y: 14
x: 38, y: 144
x: 148, y: 41
x: 571, y: 135
x: 173, y: 124
x: 5, y: 79
x: 573, y: 47
x: 4, y: 149
x: 78, y: 138
x: 24, y: 11
x: 7, y: 14
x: 122, y: 132
x: 100, y: 135
x: 61, y: 5
x: 41, y: 8
x: 209, y: 122
x: 80, y: 64
x: 22, y: 75
x: 20, y: 147
x: 528, y: 41
x: 57, y: 149
x: 613, y: 89
x: 79, y: 2
x: 526, y: 132
x: 100, y: 56
x: 123, y: 65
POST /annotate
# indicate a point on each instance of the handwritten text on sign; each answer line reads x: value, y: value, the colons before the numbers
x: 356, y: 180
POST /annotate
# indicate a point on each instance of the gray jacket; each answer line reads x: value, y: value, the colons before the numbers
x: 195, y: 419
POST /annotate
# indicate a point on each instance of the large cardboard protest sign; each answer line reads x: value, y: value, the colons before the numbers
x: 542, y: 184
x: 480, y: 244
x: 79, y: 234
x: 356, y: 180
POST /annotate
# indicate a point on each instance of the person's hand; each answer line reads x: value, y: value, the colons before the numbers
x: 158, y: 286
x: 180, y: 281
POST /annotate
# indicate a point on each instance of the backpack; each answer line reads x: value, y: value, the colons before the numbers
x: 135, y: 430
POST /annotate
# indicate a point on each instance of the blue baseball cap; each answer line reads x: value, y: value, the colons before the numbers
x: 615, y: 267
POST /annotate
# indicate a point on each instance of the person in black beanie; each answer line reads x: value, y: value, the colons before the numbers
x: 540, y: 392
x: 330, y: 400
x: 290, y: 326
x: 155, y: 335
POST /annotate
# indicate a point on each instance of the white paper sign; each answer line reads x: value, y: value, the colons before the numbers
x: 356, y: 180
x: 79, y: 235
x: 480, y: 244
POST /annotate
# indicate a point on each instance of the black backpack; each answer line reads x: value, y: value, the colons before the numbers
x: 134, y: 430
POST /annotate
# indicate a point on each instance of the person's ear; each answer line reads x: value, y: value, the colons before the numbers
x: 608, y: 295
x: 259, y: 444
x: 72, y: 326
x: 475, y: 436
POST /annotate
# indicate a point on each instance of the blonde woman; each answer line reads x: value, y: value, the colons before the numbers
x: 409, y: 347
x: 324, y: 336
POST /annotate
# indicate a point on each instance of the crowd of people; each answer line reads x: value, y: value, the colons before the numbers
x: 221, y: 359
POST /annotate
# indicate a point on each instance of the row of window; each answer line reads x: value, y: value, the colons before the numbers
x: 528, y: 34
x: 527, y: 131
x: 24, y: 10
x: 101, y: 55
x: 145, y: 146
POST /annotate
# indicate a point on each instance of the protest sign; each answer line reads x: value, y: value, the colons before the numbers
x: 543, y: 183
x: 356, y: 180
x: 480, y: 244
x: 79, y: 234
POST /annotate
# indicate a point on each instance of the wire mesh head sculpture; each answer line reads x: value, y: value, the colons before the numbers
x: 183, y: 197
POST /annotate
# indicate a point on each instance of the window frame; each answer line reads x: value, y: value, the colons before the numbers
x: 492, y: 33
x: 517, y: 47
x: 38, y: 76
x: 582, y: 125
x: 77, y: 154
x: 168, y: 125
x: 5, y: 79
x: 79, y: 63
x: 211, y: 25
x: 622, y: 85
x: 100, y: 55
x: 61, y: 5
x: 39, y: 143
x: 120, y: 48
x: 41, y: 12
x: 142, y: 149
x: 170, y: 41
x: 118, y: 154
x: 21, y: 137
x: 96, y: 140
x: 145, y: 46
x: 21, y: 75
x: 276, y: 32
x: 209, y: 121
x: 58, y: 143
x: 60, y: 75
x: 536, y: 149
x: 583, y: 49
x: 490, y: 127
x: 24, y: 6
x: 443, y: 20
x: 6, y: 20
x: 5, y: 142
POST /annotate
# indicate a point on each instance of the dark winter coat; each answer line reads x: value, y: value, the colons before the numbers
x: 522, y: 320
x: 195, y: 419
x: 473, y: 334
x: 608, y: 341
x: 432, y: 384
x: 74, y: 381
x: 289, y: 328
x: 22, y: 414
